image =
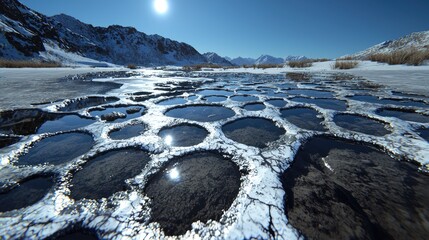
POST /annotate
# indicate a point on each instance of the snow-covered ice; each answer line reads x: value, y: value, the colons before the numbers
x: 258, y: 210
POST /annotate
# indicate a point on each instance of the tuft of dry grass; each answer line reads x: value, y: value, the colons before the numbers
x: 132, y: 66
x: 298, y: 77
x: 347, y: 58
x: 342, y: 64
x: 410, y: 56
x: 300, y: 64
x: 320, y: 59
x: 265, y: 66
x: 198, y: 67
x: 7, y: 63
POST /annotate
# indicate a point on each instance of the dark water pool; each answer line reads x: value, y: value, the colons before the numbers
x: 277, y: 102
x: 183, y: 135
x: 57, y: 149
x: 199, y: 186
x: 7, y: 141
x: 244, y: 98
x: 257, y: 132
x: 208, y: 92
x: 212, y: 99
x: 336, y: 189
x: 304, y: 118
x: 254, y: 106
x: 373, y: 99
x: 404, y: 115
x: 105, y: 174
x: 333, y: 104
x: 201, y: 113
x: 424, y: 133
x: 172, y: 101
x: 361, y: 124
x: 26, y: 193
x: 127, y: 132
x: 65, y: 123
x: 311, y: 93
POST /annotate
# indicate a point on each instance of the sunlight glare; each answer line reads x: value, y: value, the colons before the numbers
x: 168, y: 140
x: 174, y: 174
x: 161, y: 6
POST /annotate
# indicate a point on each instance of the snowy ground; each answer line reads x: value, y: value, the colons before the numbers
x: 257, y: 211
x: 410, y: 79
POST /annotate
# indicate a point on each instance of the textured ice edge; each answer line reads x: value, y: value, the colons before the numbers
x: 258, y: 208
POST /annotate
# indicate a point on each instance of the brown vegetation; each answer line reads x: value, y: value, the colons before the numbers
x: 6, y: 63
x: 298, y: 77
x: 198, y: 67
x: 410, y: 56
x: 131, y: 66
x: 300, y: 64
x: 263, y: 66
x: 342, y: 64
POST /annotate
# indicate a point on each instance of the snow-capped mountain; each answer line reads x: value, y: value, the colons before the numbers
x: 417, y: 40
x: 26, y: 34
x: 212, y: 57
x: 242, y: 61
x: 295, y: 58
x: 267, y: 59
x: 264, y: 59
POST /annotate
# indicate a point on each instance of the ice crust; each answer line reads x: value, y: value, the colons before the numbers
x: 258, y: 210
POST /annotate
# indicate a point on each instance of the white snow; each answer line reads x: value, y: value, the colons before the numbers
x: 55, y: 53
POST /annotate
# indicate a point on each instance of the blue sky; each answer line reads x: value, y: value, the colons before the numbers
x: 249, y: 28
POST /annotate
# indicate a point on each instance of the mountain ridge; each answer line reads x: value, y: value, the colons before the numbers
x: 27, y: 34
x: 416, y: 40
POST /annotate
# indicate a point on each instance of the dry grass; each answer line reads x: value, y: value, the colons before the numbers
x: 265, y: 66
x: 320, y: 59
x: 298, y: 77
x: 342, y: 64
x: 198, y: 67
x: 6, y: 63
x: 300, y: 64
x: 410, y: 56
x: 132, y: 66
x: 347, y: 58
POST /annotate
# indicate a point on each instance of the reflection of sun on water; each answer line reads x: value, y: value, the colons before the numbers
x: 174, y: 174
x: 161, y: 6
x: 168, y: 140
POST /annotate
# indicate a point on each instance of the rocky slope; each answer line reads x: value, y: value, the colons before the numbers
x: 212, y: 57
x: 26, y: 34
x: 417, y: 40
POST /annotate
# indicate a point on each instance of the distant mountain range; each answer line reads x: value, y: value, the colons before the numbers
x: 417, y: 40
x: 264, y: 59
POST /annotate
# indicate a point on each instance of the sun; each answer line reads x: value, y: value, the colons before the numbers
x: 161, y: 6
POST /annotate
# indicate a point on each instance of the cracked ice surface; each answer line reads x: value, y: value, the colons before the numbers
x: 258, y: 209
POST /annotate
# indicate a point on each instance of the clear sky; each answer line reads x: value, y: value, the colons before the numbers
x: 249, y: 28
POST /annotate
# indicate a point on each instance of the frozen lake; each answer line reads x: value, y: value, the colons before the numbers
x: 212, y: 155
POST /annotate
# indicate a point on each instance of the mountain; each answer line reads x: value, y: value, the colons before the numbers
x: 295, y: 58
x: 243, y: 61
x: 212, y: 57
x: 26, y: 34
x: 267, y: 59
x: 417, y: 40
x: 264, y: 59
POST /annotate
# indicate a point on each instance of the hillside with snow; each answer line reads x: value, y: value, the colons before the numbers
x: 26, y: 34
x: 417, y: 40
x: 214, y: 58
